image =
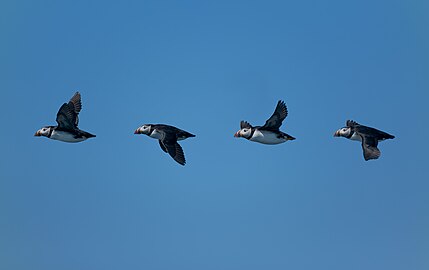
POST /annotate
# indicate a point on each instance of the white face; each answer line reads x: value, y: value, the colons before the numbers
x: 145, y: 129
x: 244, y: 132
x: 343, y: 132
x: 44, y: 131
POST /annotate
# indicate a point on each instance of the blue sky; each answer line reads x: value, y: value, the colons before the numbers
x: 118, y: 202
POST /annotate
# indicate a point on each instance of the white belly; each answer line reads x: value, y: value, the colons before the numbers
x: 157, y: 135
x: 356, y: 137
x: 65, y: 137
x: 266, y: 138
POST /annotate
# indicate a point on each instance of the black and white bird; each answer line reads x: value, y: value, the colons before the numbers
x: 368, y: 136
x: 67, y: 119
x: 167, y: 137
x: 268, y: 133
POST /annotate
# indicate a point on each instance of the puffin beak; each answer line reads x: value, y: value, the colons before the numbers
x: 337, y: 133
x: 137, y: 131
x: 237, y: 135
x: 37, y: 133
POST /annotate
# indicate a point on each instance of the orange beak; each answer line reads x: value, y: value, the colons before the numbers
x: 337, y: 133
x: 237, y: 134
x: 137, y: 131
x: 37, y: 133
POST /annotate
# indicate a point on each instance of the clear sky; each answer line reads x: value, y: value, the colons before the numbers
x: 118, y: 202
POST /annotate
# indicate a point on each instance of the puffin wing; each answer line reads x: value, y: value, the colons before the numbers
x: 67, y: 116
x: 174, y: 149
x: 162, y: 146
x: 369, y: 147
x: 275, y: 121
x: 76, y: 104
x: 76, y: 101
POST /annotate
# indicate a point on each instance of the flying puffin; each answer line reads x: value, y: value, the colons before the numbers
x: 367, y: 135
x: 167, y: 137
x: 268, y: 133
x: 67, y: 119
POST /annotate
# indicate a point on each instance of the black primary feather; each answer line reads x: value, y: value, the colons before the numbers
x: 275, y: 121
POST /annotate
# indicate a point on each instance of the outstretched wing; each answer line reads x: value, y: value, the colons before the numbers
x: 162, y: 146
x: 67, y: 116
x: 176, y: 152
x: 169, y: 144
x: 275, y: 121
x: 369, y: 147
x: 76, y: 101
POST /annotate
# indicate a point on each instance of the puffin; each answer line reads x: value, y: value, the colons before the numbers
x: 368, y: 136
x: 67, y: 119
x: 167, y: 137
x: 269, y: 133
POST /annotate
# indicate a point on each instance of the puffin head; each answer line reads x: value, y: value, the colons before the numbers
x: 145, y: 129
x: 244, y: 132
x: 44, y: 131
x: 343, y: 132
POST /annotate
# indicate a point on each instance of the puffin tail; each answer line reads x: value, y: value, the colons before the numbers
x: 89, y: 135
x: 387, y: 136
x: 288, y: 137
